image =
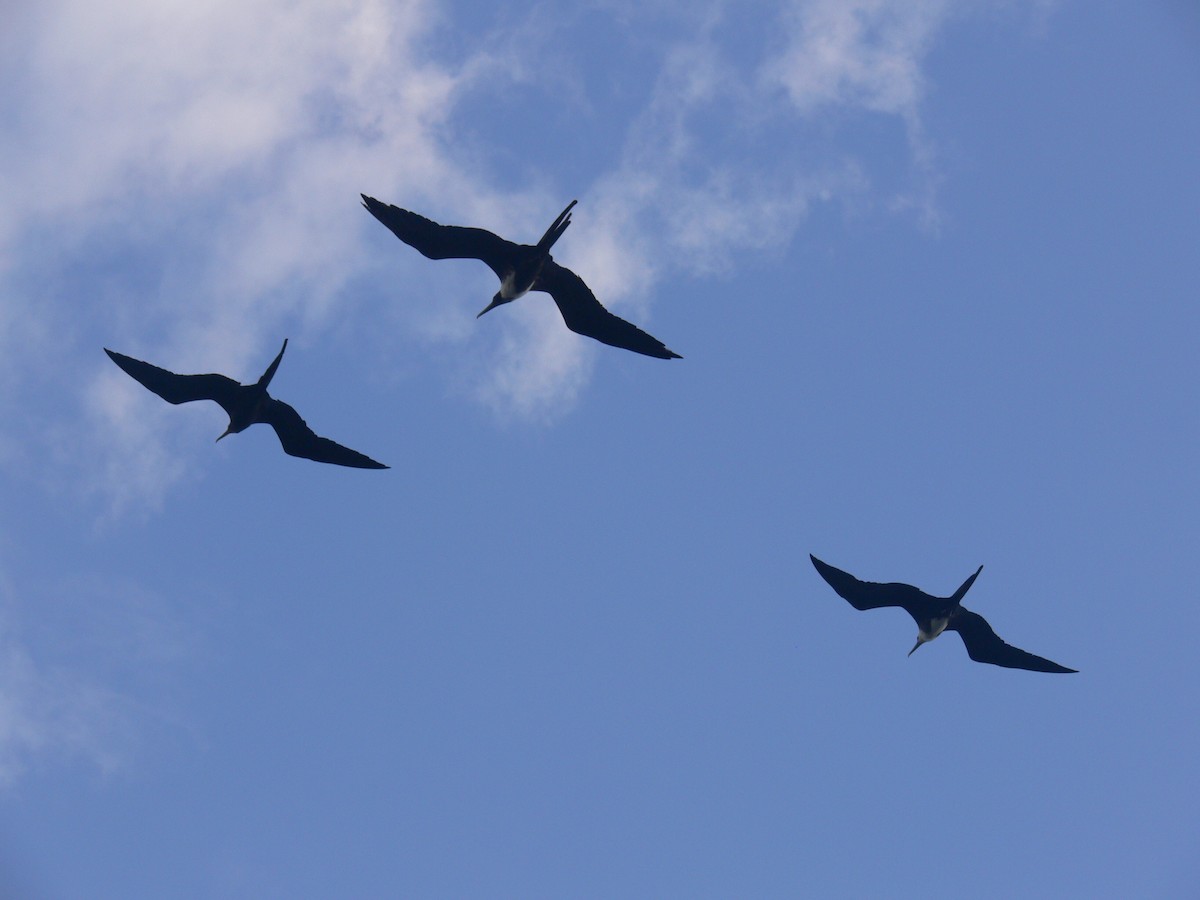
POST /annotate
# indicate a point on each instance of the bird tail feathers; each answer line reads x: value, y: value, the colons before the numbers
x: 966, y: 586
x: 556, y: 229
x: 270, y: 373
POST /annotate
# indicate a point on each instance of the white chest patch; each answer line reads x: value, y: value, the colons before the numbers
x: 937, y: 626
x: 508, y: 287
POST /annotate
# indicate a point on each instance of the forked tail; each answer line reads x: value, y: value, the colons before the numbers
x: 966, y: 586
x: 270, y: 373
x: 555, y: 231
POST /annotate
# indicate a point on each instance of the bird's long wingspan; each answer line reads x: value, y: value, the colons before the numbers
x: 584, y: 314
x: 985, y: 646
x: 177, y: 388
x: 444, y: 241
x: 865, y: 595
x: 300, y: 440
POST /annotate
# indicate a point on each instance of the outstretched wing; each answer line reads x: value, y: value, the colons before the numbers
x: 865, y: 595
x: 985, y: 646
x: 300, y: 440
x: 444, y: 241
x: 178, y: 388
x: 584, y: 314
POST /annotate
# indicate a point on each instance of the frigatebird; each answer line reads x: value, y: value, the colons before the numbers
x: 246, y: 405
x: 521, y: 268
x: 934, y: 615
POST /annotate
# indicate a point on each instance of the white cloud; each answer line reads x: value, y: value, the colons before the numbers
x: 127, y: 102
x: 85, y: 680
x: 53, y: 713
x: 540, y: 367
x: 675, y: 205
x: 141, y: 115
x: 229, y: 142
x: 133, y: 465
x: 867, y: 55
x: 864, y: 53
x: 48, y: 711
x: 230, y: 139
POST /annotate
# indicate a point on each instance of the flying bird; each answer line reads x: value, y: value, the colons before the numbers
x: 521, y: 268
x: 246, y: 405
x: 934, y: 615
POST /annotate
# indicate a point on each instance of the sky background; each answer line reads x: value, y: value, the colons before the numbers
x: 933, y: 269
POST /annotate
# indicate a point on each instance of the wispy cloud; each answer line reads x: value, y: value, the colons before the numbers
x: 53, y: 713
x: 133, y: 453
x: 221, y: 149
x: 865, y: 53
x: 225, y: 144
x: 83, y: 680
x: 693, y: 190
x: 539, y: 369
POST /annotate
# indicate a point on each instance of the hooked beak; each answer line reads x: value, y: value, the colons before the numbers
x: 915, y: 646
x: 227, y: 432
x: 496, y: 301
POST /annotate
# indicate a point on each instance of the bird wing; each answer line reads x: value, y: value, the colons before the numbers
x: 444, y: 241
x: 178, y: 388
x: 300, y: 440
x: 985, y: 646
x: 584, y: 314
x: 866, y: 595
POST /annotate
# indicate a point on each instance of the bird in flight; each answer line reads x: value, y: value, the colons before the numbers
x: 521, y: 268
x: 246, y: 405
x: 934, y: 615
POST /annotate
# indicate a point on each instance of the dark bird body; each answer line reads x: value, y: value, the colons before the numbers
x: 521, y: 268
x: 246, y: 405
x: 934, y: 615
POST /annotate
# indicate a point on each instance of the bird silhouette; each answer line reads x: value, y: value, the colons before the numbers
x: 934, y: 615
x: 246, y: 404
x: 521, y: 268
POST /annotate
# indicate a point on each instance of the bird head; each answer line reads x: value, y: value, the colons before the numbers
x: 920, y: 640
x: 496, y: 301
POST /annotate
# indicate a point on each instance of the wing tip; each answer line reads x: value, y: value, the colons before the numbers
x: 1062, y: 670
x: 827, y: 572
x: 122, y: 361
x: 1052, y: 668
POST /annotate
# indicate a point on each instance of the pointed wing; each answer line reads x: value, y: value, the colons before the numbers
x: 985, y: 646
x: 444, y: 241
x: 864, y: 595
x: 584, y: 315
x: 300, y: 440
x: 178, y: 388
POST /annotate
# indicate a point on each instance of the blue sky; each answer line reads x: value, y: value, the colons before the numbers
x: 933, y: 270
